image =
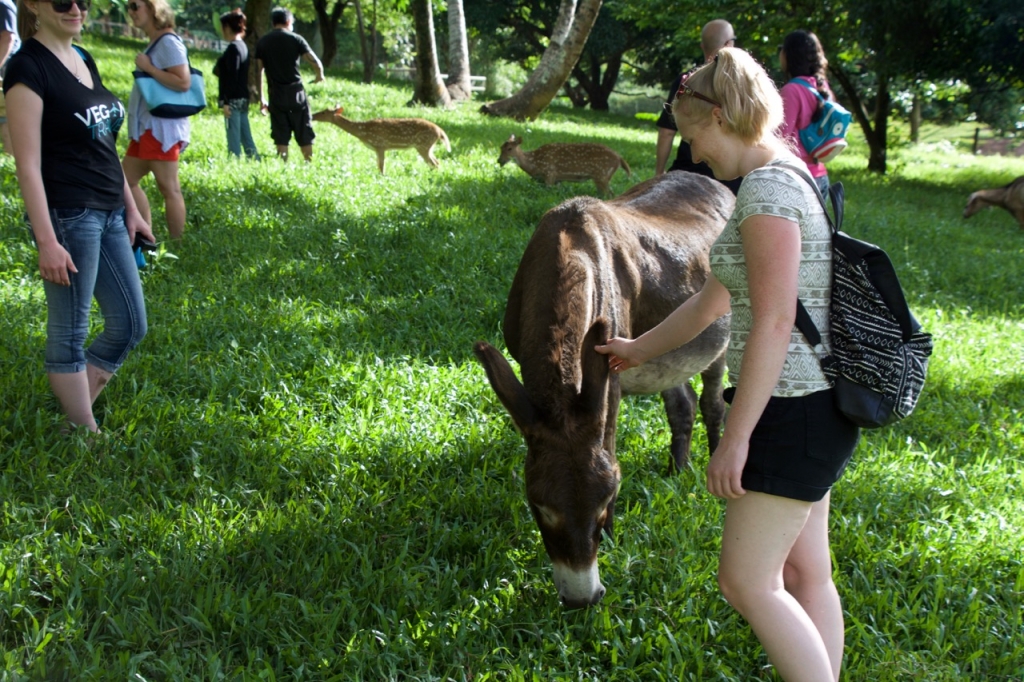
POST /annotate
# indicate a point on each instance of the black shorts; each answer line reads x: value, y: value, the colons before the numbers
x: 284, y: 123
x: 800, y: 447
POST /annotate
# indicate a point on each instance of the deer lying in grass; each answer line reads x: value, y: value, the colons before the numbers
x: 382, y: 134
x: 555, y: 163
x: 1010, y: 197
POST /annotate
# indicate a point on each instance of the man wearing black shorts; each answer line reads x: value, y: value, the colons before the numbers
x: 278, y: 54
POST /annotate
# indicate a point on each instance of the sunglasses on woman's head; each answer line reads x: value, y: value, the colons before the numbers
x: 64, y: 6
x: 685, y: 89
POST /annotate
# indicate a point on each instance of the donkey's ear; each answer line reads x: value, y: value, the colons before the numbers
x: 505, y: 383
x: 594, y: 384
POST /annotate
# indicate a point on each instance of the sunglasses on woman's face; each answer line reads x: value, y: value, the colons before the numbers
x: 133, y: 6
x: 64, y: 6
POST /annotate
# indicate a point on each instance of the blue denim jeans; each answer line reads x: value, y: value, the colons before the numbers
x: 239, y: 134
x: 98, y: 244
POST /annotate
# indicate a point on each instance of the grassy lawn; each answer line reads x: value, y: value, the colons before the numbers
x: 308, y: 477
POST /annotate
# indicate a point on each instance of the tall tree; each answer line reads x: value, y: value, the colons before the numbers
x: 567, y: 41
x: 367, y: 41
x: 597, y: 71
x: 459, y: 83
x: 328, y: 17
x: 429, y: 88
x: 257, y: 23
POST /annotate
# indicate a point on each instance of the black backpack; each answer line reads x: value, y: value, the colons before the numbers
x: 879, y: 355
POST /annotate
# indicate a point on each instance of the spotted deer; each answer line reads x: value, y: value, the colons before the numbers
x: 1010, y: 197
x: 559, y: 162
x: 592, y: 270
x: 382, y: 134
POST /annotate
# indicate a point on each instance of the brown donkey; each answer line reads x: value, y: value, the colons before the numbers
x: 592, y: 270
x: 1010, y: 197
x: 382, y: 134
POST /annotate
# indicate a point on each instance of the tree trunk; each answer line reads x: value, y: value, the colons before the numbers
x: 875, y: 125
x: 915, y: 116
x: 879, y: 140
x: 598, y: 87
x: 460, y: 87
x: 429, y: 88
x: 328, y: 21
x: 367, y: 45
x: 577, y: 94
x: 257, y: 26
x: 567, y: 42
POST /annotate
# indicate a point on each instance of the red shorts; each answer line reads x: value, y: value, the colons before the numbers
x: 149, y: 148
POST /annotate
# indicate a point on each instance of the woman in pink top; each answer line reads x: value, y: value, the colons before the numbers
x: 801, y: 57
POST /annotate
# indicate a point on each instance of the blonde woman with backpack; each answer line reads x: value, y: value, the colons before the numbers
x: 785, y: 443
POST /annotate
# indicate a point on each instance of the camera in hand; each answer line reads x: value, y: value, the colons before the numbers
x: 143, y: 243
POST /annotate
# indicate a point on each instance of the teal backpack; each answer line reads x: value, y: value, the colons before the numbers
x: 824, y: 138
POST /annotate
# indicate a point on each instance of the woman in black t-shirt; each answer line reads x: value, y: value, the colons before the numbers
x: 232, y: 72
x: 64, y: 125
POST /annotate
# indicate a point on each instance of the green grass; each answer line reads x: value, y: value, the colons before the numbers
x: 309, y: 477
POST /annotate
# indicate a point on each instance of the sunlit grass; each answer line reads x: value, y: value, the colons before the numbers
x: 309, y: 478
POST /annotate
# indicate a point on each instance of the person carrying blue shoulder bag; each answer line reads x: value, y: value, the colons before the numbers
x: 64, y: 126
x: 802, y: 58
x: 156, y: 143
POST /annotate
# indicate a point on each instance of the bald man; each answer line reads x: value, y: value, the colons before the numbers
x: 715, y: 35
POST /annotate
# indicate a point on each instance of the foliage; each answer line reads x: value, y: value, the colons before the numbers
x: 307, y: 477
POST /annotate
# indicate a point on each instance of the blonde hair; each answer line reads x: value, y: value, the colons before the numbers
x: 163, y: 15
x: 750, y: 104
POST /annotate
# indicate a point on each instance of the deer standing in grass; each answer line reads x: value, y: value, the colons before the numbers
x: 558, y: 162
x: 1010, y: 197
x: 382, y: 134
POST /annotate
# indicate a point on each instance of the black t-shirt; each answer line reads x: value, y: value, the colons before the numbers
x: 684, y: 157
x: 280, y: 52
x: 232, y: 71
x: 80, y: 165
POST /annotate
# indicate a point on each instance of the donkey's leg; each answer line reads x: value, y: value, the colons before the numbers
x: 680, y: 408
x: 712, y: 405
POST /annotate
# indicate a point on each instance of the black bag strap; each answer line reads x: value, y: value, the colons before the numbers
x: 803, y: 319
x: 880, y: 267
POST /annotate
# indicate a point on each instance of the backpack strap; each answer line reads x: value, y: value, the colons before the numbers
x: 881, y: 267
x: 807, y: 85
x: 803, y: 319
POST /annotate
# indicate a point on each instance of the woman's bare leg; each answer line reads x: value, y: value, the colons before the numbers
x: 808, y: 577
x: 760, y: 532
x: 166, y: 174
x: 72, y: 391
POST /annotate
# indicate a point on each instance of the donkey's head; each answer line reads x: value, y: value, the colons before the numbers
x: 572, y: 476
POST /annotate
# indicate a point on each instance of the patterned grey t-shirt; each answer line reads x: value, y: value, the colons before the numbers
x: 776, y: 191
